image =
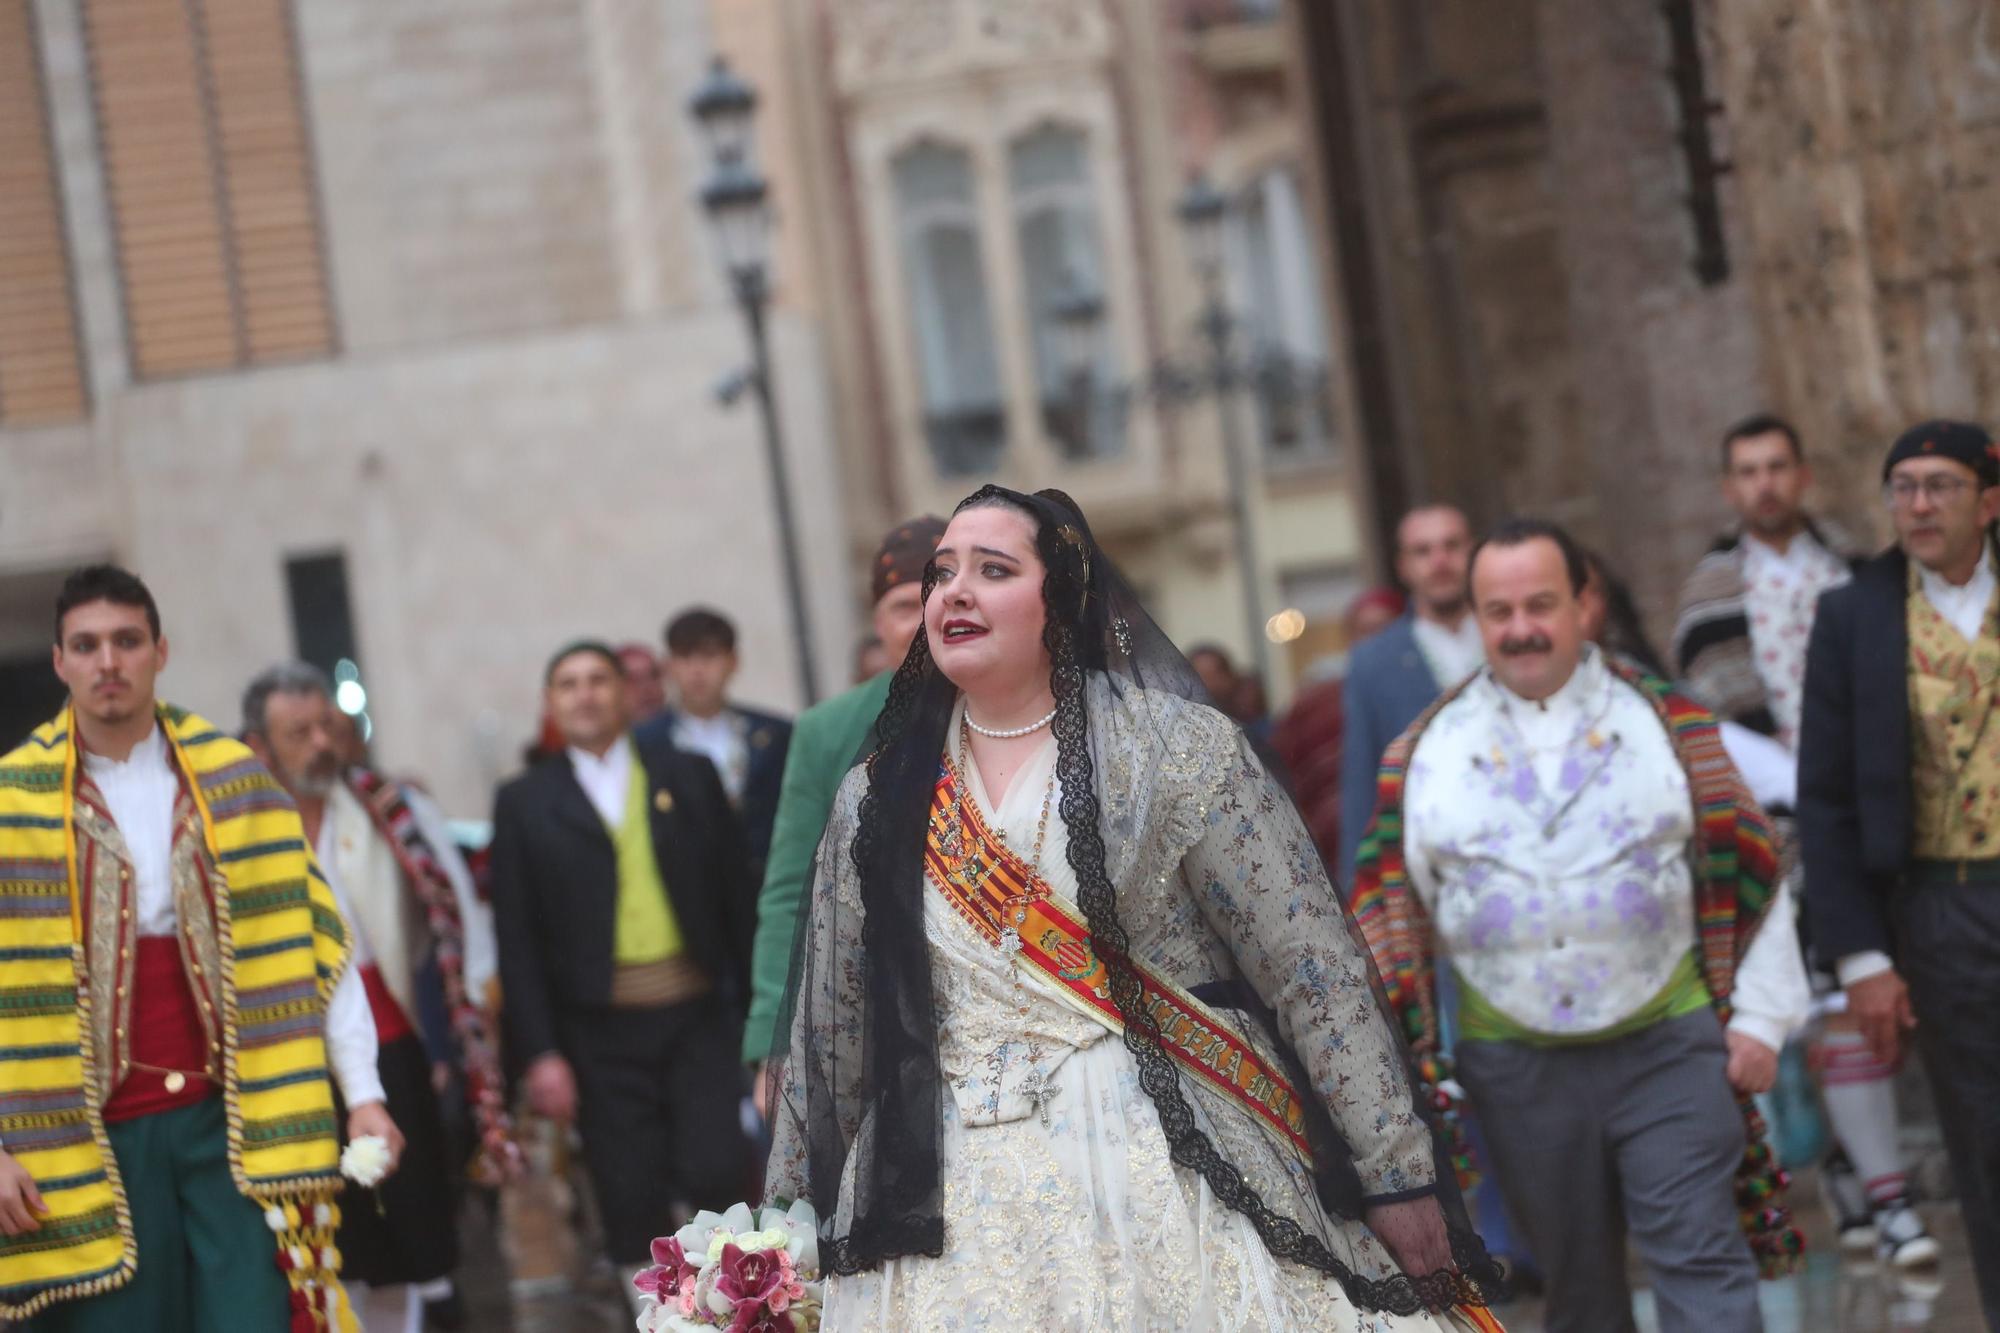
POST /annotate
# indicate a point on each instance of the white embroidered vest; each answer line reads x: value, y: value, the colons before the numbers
x: 1556, y: 871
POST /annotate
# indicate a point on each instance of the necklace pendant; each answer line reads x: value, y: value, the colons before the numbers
x: 1010, y: 942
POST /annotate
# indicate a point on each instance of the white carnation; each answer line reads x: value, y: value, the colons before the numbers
x: 366, y: 1160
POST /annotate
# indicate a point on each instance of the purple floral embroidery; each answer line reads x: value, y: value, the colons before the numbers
x: 1636, y: 906
x: 1491, y: 920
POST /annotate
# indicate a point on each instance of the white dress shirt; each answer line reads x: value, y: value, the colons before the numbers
x: 139, y: 791
x: 1964, y: 608
x: 1451, y: 654
x: 721, y: 739
x: 1963, y: 605
x: 604, y: 779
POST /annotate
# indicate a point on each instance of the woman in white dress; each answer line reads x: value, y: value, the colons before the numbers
x: 1079, y: 1036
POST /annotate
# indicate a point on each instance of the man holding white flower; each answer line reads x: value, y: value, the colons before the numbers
x: 407, y: 898
x: 176, y: 1008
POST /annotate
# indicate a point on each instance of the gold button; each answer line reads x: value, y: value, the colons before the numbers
x: 119, y: 1033
x: 663, y: 801
x: 197, y: 969
x: 215, y: 1046
x: 126, y: 914
x: 175, y: 1081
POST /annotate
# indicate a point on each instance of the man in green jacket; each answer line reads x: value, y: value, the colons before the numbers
x: 826, y: 742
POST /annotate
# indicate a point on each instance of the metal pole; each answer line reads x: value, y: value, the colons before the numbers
x: 750, y: 295
x: 1215, y: 324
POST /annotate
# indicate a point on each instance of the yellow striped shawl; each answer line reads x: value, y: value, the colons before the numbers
x: 283, y: 946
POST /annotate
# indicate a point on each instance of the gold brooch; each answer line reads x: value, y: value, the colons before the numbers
x: 663, y: 801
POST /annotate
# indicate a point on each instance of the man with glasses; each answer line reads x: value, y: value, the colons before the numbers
x: 1899, y: 798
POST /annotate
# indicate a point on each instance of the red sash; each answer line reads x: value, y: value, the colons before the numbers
x: 167, y: 1034
x: 997, y: 894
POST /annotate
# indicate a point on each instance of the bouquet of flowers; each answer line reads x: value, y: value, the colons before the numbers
x: 737, y: 1270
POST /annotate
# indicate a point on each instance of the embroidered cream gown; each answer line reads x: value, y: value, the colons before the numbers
x: 1064, y: 1212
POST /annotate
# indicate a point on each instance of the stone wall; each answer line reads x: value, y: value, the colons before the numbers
x: 517, y: 441
x: 1549, y: 343
x: 1867, y: 146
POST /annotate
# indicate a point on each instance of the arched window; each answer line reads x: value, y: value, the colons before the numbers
x: 965, y: 416
x: 1277, y: 289
x: 1055, y: 224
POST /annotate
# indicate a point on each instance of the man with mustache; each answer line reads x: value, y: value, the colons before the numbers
x: 180, y: 1006
x: 1899, y: 799
x: 1626, y: 972
x: 1746, y: 613
x: 409, y: 900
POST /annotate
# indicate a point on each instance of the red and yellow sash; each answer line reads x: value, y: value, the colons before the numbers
x: 1001, y: 898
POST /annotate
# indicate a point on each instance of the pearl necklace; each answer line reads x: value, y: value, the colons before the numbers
x: 993, y: 735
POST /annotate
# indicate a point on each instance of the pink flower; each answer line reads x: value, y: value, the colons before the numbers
x: 762, y: 1319
x: 671, y: 1280
x: 751, y: 1275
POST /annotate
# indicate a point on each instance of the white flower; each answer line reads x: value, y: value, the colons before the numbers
x: 696, y: 1235
x: 803, y: 1223
x: 366, y: 1160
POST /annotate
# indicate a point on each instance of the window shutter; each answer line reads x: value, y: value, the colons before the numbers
x: 211, y: 183
x: 41, y: 369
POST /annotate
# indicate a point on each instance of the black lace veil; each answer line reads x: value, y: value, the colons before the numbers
x: 857, y: 1113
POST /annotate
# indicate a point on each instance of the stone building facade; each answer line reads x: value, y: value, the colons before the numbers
x: 416, y: 298
x: 1578, y: 239
x: 953, y: 163
x: 469, y: 330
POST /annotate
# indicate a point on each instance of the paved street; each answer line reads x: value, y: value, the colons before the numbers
x: 1833, y: 1294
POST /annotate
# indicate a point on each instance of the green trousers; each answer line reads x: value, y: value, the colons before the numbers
x: 207, y: 1262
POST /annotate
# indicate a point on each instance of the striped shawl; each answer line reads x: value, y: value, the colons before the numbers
x: 1711, y: 644
x: 282, y: 946
x: 1735, y: 877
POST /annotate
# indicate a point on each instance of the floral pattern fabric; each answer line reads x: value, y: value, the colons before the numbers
x: 1780, y: 594
x: 1062, y: 1206
x: 1549, y: 844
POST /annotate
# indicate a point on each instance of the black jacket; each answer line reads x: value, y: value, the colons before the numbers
x: 768, y: 737
x: 555, y: 889
x: 1854, y: 758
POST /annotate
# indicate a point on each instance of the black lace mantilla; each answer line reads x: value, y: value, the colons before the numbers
x: 1094, y: 624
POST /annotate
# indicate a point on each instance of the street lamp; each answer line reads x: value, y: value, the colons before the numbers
x: 1202, y: 210
x: 735, y: 198
x: 1078, y: 316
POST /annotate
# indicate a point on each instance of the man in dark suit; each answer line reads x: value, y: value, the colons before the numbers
x: 625, y: 910
x: 1399, y: 672
x: 1899, y: 799
x: 747, y: 747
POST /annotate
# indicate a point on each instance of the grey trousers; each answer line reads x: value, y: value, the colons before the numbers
x: 1948, y: 949
x: 1639, y: 1134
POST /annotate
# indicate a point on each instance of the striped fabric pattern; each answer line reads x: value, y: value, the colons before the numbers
x: 283, y: 948
x: 1736, y: 875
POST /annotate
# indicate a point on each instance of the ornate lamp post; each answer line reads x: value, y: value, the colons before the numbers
x: 1079, y: 317
x: 734, y: 197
